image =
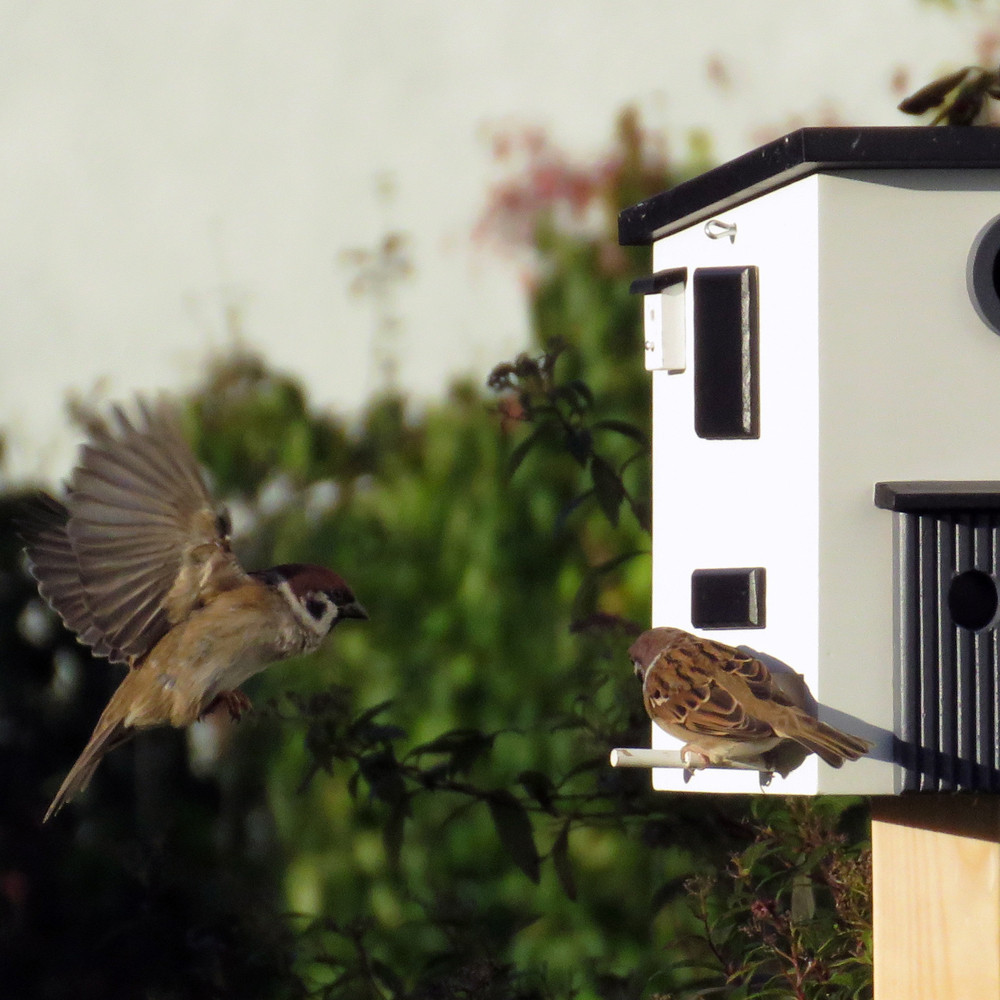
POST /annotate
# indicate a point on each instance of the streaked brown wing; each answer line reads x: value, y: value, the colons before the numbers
x: 753, y: 673
x: 53, y: 564
x: 150, y: 545
x: 680, y: 690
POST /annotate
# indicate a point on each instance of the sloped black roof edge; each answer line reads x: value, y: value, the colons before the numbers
x: 924, y: 496
x: 806, y: 151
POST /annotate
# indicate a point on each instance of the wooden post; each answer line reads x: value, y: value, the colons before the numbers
x: 936, y: 886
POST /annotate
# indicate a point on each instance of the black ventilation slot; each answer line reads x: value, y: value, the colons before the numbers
x: 726, y: 353
x: 728, y: 598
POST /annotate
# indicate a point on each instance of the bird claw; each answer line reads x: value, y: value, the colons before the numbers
x: 693, y: 760
x: 236, y: 703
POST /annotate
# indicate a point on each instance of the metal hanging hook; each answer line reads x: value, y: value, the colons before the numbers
x: 716, y: 229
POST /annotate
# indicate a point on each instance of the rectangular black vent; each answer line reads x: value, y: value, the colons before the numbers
x: 728, y: 598
x: 726, y: 353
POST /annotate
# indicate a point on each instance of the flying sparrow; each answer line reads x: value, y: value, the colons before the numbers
x: 727, y: 706
x: 137, y: 562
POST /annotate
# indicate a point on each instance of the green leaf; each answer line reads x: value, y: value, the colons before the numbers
x: 369, y: 713
x: 518, y: 455
x: 607, y: 487
x: 749, y: 857
x: 582, y: 390
x: 392, y: 831
x: 464, y: 746
x: 622, y: 427
x: 388, y: 977
x: 385, y: 779
x: 539, y: 786
x: 568, y: 396
x: 561, y: 863
x: 563, y: 516
x: 514, y: 830
x: 675, y: 888
x: 585, y: 598
x: 643, y: 513
x: 450, y: 741
x: 589, y: 764
x: 579, y: 443
x: 616, y: 561
x: 802, y: 906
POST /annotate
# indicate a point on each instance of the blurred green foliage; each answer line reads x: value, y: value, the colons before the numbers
x: 424, y: 809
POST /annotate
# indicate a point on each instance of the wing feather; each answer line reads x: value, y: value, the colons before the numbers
x: 680, y: 689
x: 139, y: 543
x: 53, y: 564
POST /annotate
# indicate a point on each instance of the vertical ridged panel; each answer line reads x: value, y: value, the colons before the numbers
x: 948, y: 692
x: 906, y: 528
x: 949, y: 657
x: 970, y: 548
x: 986, y: 664
x: 927, y: 667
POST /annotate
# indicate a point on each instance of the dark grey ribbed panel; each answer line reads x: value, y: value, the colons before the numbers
x: 948, y: 681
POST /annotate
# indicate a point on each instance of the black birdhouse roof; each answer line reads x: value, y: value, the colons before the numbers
x: 807, y: 151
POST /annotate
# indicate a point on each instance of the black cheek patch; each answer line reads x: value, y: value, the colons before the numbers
x: 316, y: 608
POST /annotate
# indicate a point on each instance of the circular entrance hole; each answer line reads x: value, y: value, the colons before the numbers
x: 973, y: 599
x: 982, y: 274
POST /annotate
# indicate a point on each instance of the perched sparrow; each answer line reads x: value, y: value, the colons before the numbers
x: 960, y: 97
x: 137, y: 562
x: 727, y: 706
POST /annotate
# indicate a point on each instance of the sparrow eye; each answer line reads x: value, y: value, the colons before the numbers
x: 317, y: 606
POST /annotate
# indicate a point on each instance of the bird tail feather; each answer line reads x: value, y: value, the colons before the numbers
x: 106, y: 737
x: 831, y: 744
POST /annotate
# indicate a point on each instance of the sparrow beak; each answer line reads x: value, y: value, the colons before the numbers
x: 352, y: 610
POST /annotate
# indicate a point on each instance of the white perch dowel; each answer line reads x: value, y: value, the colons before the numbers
x: 637, y: 757
x: 641, y: 757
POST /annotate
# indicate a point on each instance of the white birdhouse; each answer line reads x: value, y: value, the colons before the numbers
x: 823, y: 328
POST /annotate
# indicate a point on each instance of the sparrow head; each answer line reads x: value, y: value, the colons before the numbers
x: 317, y: 596
x: 650, y: 645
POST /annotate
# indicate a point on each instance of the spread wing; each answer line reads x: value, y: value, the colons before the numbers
x: 709, y: 689
x: 54, y: 566
x: 138, y: 543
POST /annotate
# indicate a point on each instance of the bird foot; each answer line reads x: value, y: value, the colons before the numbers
x: 694, y: 760
x: 236, y: 703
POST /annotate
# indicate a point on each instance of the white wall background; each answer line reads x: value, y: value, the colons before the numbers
x: 160, y: 161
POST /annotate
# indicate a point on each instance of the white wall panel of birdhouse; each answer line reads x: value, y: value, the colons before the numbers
x: 749, y: 502
x: 909, y: 378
